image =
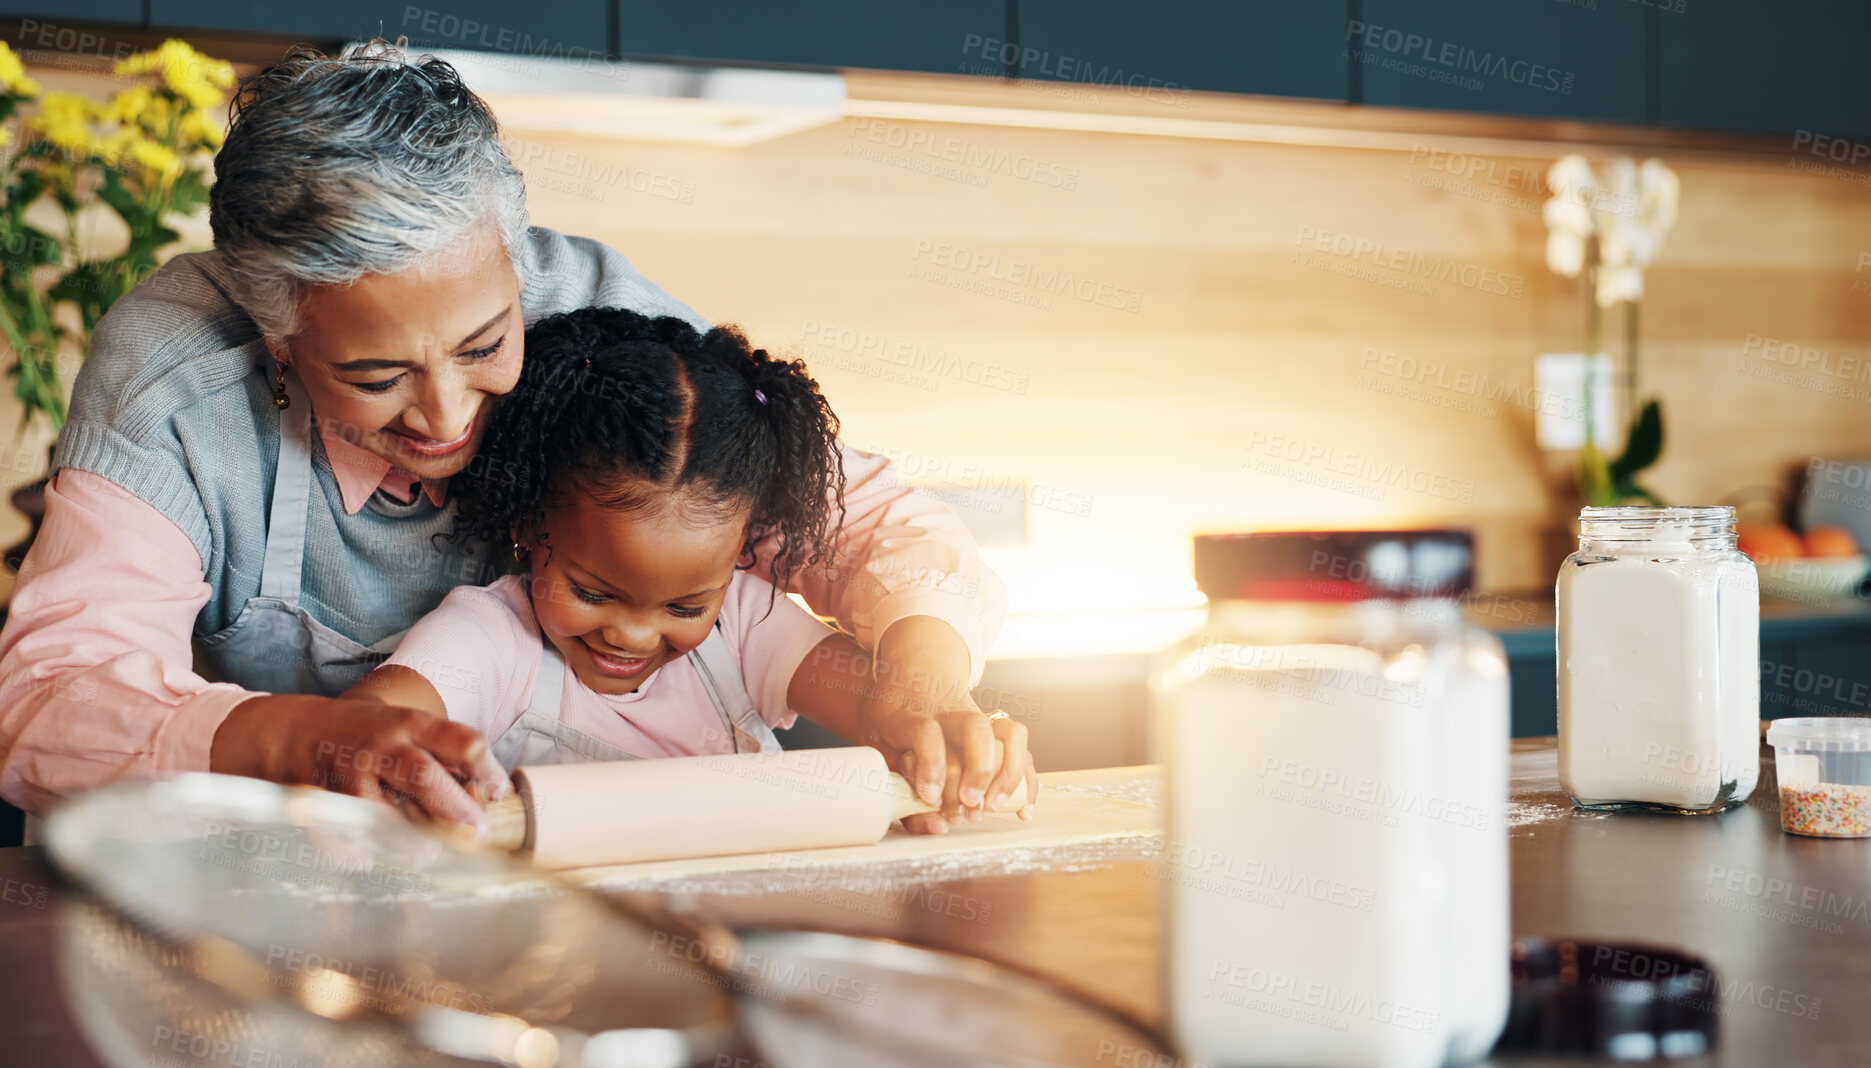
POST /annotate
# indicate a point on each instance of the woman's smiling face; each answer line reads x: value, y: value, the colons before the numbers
x: 404, y: 364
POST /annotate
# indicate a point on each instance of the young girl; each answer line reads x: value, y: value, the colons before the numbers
x: 634, y: 468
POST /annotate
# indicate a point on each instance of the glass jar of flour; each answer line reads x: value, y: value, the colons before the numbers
x: 1334, y: 744
x: 1659, y: 661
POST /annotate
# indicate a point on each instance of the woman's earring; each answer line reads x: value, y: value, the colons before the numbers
x: 519, y: 554
x: 280, y: 400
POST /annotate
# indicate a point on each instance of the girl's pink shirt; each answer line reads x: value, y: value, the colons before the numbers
x: 96, y: 661
x: 481, y: 650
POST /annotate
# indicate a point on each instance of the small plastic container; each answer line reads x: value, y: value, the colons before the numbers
x: 1823, y: 766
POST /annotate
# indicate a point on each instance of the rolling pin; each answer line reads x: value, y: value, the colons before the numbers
x: 625, y: 811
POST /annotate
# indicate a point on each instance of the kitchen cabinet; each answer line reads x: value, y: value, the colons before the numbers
x: 1532, y: 682
x: 1819, y: 677
x: 24, y: 37
x: 564, y: 28
x: 1584, y: 59
x: 1793, y: 70
x: 1276, y: 47
x: 831, y: 33
x: 1779, y: 69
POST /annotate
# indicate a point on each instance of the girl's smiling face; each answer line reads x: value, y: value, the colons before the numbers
x: 621, y: 593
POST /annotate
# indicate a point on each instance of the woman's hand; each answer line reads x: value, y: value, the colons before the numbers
x: 364, y: 748
x: 920, y: 714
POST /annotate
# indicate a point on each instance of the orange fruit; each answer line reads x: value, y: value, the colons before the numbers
x: 1830, y: 541
x: 1769, y: 541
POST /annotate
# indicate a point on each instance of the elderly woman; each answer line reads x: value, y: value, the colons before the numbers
x: 373, y: 268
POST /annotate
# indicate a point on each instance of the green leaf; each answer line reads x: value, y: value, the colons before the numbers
x: 1594, y: 478
x: 146, y: 239
x: 111, y: 191
x: 28, y: 247
x: 27, y: 185
x: 87, y: 286
x: 1643, y: 447
x: 188, y: 192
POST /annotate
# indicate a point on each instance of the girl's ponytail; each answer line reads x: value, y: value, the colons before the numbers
x: 808, y: 468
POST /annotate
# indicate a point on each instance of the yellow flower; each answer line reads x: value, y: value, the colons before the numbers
x: 129, y: 105
x: 201, y: 97
x: 186, y: 72
x: 114, y: 151
x: 159, y: 158
x: 198, y: 129
x: 13, y: 74
x: 64, y: 119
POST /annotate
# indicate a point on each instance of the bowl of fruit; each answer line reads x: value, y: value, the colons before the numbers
x: 1823, y: 564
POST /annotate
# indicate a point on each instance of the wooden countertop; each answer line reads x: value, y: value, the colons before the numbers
x: 1784, y: 920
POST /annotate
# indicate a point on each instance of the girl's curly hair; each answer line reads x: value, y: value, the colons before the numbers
x: 628, y: 409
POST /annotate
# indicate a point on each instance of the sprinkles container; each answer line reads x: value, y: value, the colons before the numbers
x: 1823, y: 766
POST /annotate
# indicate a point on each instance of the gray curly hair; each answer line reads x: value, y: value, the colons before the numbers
x: 335, y: 168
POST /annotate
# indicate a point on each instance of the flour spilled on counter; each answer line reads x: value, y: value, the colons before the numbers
x: 1529, y: 813
x: 800, y: 878
x: 1522, y: 813
x: 1146, y: 790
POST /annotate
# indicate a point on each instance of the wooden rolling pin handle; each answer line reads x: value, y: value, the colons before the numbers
x: 506, y: 823
x: 507, y: 818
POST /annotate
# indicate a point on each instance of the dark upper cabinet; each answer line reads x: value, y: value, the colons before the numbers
x: 898, y: 35
x: 1794, y: 69
x: 577, y: 28
x: 1277, y: 47
x: 1545, y: 58
x: 46, y: 13
x: 1781, y: 68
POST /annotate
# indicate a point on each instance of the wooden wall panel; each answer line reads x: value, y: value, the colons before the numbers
x: 1241, y: 326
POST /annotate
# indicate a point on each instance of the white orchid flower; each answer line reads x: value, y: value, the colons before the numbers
x: 1565, y: 253
x: 1565, y: 213
x: 1628, y: 209
x: 1616, y: 237
x: 1568, y: 214
x: 1619, y: 282
x: 1658, y: 194
x: 1620, y: 192
x: 1570, y: 173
